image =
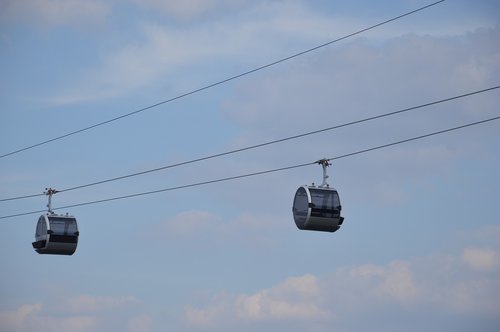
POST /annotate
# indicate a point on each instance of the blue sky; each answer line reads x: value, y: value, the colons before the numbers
x: 420, y: 246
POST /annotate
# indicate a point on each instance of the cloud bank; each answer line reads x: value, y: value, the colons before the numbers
x: 465, y: 285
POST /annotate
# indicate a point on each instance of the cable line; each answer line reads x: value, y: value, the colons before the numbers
x: 219, y: 82
x: 20, y: 197
x: 261, y: 172
x: 414, y: 138
x: 263, y: 144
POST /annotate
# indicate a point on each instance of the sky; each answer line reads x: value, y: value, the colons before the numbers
x: 420, y: 245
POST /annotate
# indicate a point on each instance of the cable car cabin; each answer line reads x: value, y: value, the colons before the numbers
x: 56, y: 235
x: 317, y: 209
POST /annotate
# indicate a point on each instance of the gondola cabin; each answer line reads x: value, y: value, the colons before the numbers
x: 56, y: 234
x: 317, y: 209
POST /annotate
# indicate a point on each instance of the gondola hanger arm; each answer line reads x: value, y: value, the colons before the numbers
x: 324, y: 163
x: 49, y: 192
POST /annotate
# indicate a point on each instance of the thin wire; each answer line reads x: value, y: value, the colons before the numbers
x: 220, y: 82
x: 261, y: 172
x: 263, y: 144
x: 20, y: 197
x: 414, y: 138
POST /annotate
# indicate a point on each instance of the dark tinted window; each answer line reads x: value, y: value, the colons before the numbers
x: 325, y: 199
x: 63, y: 225
x: 300, y: 205
x: 41, y: 227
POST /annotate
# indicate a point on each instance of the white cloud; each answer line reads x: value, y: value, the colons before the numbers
x: 161, y: 54
x: 54, y: 12
x: 184, y: 57
x: 481, y: 259
x: 293, y: 299
x: 187, y: 9
x: 438, y: 284
x: 14, y: 320
x: 79, y: 313
x: 326, y: 86
x: 262, y: 306
x: 394, y: 281
x: 30, y: 317
x: 204, y: 317
x: 306, y: 286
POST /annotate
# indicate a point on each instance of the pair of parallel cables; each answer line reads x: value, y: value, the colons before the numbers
x: 261, y: 145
